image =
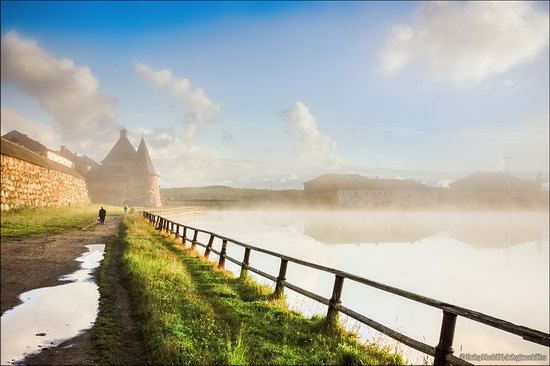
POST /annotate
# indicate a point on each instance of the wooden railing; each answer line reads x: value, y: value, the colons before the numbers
x: 442, y: 353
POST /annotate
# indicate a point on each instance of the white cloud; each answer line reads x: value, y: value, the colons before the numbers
x: 467, y: 42
x: 199, y: 108
x: 67, y: 91
x: 171, y: 156
x: 311, y: 143
x: 11, y: 120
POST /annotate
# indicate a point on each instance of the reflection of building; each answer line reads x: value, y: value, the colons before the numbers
x: 481, y: 230
x: 497, y: 232
x: 126, y: 176
x: 352, y: 190
x: 494, y: 189
x: 372, y: 230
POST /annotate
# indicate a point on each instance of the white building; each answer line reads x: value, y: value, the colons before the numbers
x: 388, y: 196
x: 352, y: 190
x: 59, y: 159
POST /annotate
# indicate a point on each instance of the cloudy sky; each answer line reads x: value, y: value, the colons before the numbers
x: 269, y: 95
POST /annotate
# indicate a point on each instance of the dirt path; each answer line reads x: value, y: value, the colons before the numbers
x: 38, y: 261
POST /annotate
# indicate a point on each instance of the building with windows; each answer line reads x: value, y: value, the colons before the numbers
x: 22, y: 139
x: 353, y: 190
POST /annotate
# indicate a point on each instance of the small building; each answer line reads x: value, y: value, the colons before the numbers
x: 324, y: 189
x: 353, y: 190
x: 126, y: 176
x: 22, y: 139
x: 82, y: 164
x: 494, y: 190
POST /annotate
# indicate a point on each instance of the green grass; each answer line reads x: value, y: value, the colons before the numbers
x: 19, y: 223
x: 112, y: 340
x: 192, y: 313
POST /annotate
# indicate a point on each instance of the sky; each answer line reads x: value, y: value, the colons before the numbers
x: 272, y: 94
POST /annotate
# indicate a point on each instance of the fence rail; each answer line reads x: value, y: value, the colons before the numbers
x: 442, y: 353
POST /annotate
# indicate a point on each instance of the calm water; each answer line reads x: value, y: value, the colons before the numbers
x: 496, y: 263
x: 51, y: 315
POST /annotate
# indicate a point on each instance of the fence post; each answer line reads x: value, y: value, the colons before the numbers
x: 246, y: 262
x: 445, y: 346
x: 194, y: 242
x: 184, y: 236
x: 207, y: 250
x: 332, y: 313
x: 177, y: 230
x: 221, y: 262
x: 280, y: 286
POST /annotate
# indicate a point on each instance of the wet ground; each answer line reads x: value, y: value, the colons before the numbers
x: 40, y: 261
x: 49, y: 315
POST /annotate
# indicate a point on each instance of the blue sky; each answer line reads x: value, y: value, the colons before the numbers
x: 279, y: 92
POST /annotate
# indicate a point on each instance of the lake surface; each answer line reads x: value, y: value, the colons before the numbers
x: 495, y: 263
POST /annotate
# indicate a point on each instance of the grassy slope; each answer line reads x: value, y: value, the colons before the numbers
x: 221, y: 195
x: 191, y: 313
x: 114, y: 340
x: 16, y: 224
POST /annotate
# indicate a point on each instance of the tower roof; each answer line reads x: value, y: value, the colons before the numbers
x: 122, y: 152
x: 142, y: 163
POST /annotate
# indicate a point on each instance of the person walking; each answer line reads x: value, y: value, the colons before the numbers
x: 102, y: 214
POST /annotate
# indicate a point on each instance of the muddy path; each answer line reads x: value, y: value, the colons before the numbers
x: 39, y: 260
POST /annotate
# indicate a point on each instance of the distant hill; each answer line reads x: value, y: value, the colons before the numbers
x: 223, y: 196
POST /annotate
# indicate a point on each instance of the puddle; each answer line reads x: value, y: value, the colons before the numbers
x: 51, y: 315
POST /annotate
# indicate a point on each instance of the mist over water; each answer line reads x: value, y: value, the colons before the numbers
x: 493, y: 262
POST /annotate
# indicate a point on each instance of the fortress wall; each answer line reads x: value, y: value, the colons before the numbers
x: 25, y: 184
x: 140, y: 191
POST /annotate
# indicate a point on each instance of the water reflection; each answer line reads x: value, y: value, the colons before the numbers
x: 373, y: 230
x: 479, y: 230
x: 50, y: 315
x: 495, y: 263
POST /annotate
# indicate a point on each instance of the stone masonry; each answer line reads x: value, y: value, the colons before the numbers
x: 25, y: 184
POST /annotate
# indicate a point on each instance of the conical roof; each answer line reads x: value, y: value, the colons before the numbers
x: 122, y: 152
x: 142, y: 163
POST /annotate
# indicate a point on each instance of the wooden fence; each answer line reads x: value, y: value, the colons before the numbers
x: 442, y: 353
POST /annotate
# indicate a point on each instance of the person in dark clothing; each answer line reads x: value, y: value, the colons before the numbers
x: 102, y: 214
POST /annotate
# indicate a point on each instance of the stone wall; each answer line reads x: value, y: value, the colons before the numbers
x: 24, y: 184
x: 134, y: 191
